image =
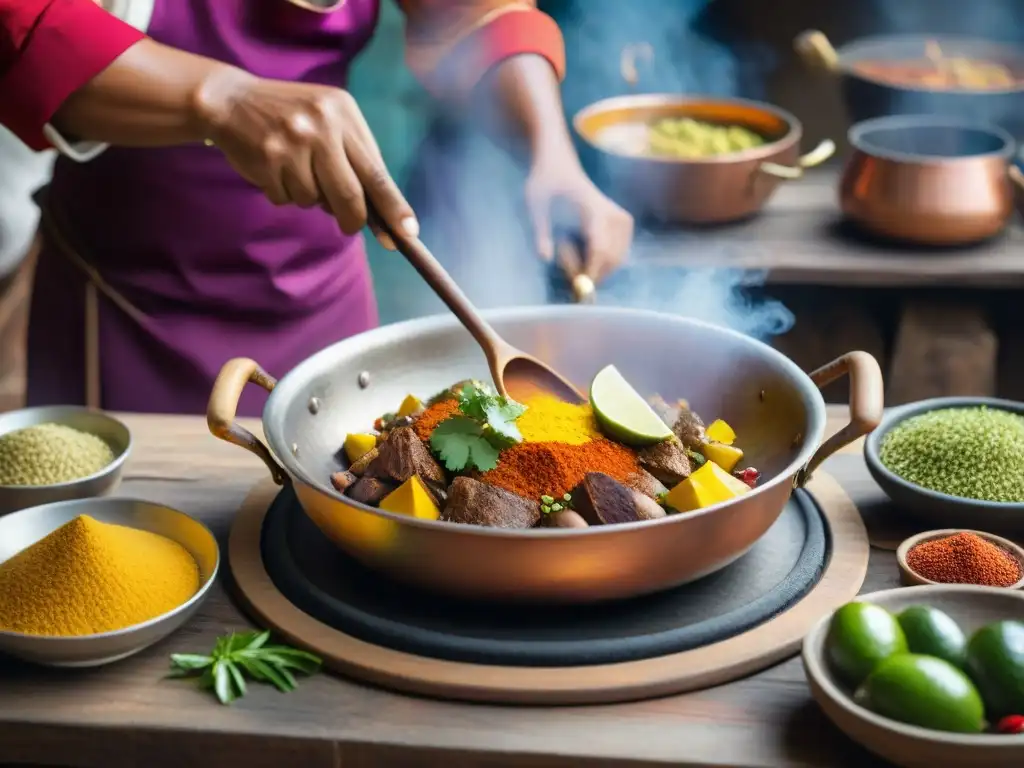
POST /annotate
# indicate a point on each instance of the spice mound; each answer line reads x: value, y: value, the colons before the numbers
x: 45, y: 454
x: 973, y: 453
x: 88, y: 577
x: 965, y: 558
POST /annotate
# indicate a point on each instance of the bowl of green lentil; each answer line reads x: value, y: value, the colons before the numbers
x: 956, y: 462
x: 57, y: 453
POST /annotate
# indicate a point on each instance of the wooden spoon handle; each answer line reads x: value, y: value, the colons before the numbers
x: 571, y: 262
x: 446, y: 288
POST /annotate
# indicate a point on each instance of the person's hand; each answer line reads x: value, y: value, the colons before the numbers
x: 606, y: 230
x: 306, y: 145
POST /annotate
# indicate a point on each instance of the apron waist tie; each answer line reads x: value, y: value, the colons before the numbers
x: 94, y: 285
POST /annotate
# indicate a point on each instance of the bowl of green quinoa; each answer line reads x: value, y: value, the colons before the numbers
x: 954, y: 461
x: 59, y: 452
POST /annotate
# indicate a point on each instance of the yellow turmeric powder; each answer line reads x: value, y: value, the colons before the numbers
x: 88, y: 577
x: 550, y: 420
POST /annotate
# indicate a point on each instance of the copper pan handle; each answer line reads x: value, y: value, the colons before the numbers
x: 866, y: 404
x: 816, y: 156
x: 814, y: 48
x: 1017, y: 182
x: 628, y: 61
x: 220, y: 411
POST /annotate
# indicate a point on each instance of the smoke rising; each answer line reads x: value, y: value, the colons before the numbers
x: 469, y: 197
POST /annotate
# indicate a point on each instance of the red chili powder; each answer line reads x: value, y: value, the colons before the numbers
x: 433, y: 416
x: 965, y: 558
x: 535, y: 469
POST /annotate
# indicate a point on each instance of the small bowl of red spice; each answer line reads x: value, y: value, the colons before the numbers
x: 959, y: 556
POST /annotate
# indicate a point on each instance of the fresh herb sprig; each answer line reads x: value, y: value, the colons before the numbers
x: 242, y: 654
x: 486, y: 423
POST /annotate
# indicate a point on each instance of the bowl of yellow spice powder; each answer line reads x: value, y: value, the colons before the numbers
x: 90, y: 581
x: 55, y: 453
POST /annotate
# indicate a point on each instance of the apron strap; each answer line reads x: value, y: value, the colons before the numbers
x: 94, y: 285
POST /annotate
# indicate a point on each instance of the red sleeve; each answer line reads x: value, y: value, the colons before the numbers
x: 48, y: 50
x: 451, y: 44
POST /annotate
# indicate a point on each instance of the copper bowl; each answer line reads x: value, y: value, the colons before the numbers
x: 711, y: 190
x: 939, y: 181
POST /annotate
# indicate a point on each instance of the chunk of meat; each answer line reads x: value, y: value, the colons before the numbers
x: 358, y: 468
x: 370, y: 490
x: 342, y: 480
x: 403, y: 455
x: 689, y: 429
x: 667, y: 461
x: 646, y: 483
x: 476, y: 503
x: 564, y: 518
x: 602, y: 500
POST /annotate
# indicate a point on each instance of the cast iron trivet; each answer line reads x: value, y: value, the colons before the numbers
x: 728, y: 625
x: 334, y: 588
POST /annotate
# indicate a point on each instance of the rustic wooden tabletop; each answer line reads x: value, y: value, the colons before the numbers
x: 801, y: 239
x: 128, y: 715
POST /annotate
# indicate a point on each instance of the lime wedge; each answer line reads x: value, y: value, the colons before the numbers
x: 621, y: 411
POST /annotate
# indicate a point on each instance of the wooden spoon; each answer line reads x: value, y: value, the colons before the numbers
x: 515, y: 373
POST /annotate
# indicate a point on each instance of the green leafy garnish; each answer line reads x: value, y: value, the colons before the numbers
x: 486, y: 424
x: 480, y: 403
x: 460, y: 443
x: 242, y: 654
x: 697, y: 458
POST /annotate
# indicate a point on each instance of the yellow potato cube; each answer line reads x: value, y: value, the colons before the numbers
x: 720, y: 432
x: 413, y: 499
x: 411, y: 405
x: 357, y: 444
x: 725, y: 456
x: 706, y: 486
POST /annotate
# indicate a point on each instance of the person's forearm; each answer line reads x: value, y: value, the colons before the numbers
x: 525, y: 108
x: 151, y: 95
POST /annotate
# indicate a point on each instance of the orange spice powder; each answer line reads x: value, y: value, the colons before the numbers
x: 535, y: 469
x: 434, y: 415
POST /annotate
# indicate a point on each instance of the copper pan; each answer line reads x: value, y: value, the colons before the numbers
x: 931, y: 180
x: 772, y: 403
x: 711, y: 190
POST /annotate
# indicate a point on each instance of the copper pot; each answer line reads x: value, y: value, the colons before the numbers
x: 868, y: 95
x: 711, y: 190
x: 930, y: 180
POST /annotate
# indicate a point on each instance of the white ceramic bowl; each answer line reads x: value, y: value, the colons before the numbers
x: 22, y: 529
x: 907, y: 745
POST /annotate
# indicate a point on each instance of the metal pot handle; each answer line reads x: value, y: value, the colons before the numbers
x: 628, y: 60
x: 220, y: 411
x: 816, y: 156
x: 867, y: 401
x: 814, y: 48
x: 1017, y: 182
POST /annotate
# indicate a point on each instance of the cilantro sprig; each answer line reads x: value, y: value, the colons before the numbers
x: 486, y: 423
x: 242, y: 654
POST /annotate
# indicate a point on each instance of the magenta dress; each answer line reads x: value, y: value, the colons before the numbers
x: 216, y: 270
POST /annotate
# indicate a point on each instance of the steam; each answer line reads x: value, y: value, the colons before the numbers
x: 468, y: 195
x: 725, y: 297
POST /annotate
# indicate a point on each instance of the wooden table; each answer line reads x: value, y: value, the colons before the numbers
x: 127, y: 715
x: 955, y: 327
